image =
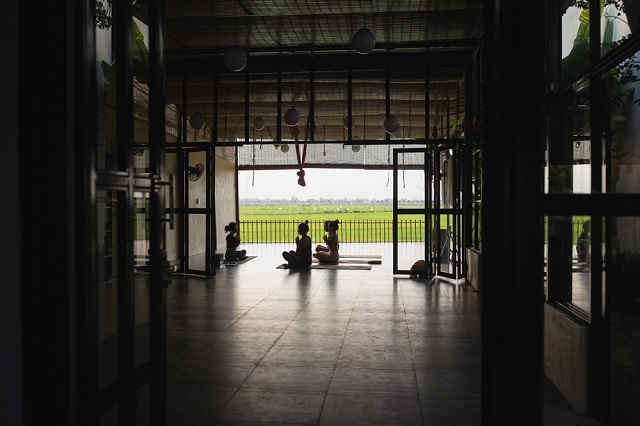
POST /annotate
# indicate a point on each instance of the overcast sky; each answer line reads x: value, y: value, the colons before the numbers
x: 328, y: 183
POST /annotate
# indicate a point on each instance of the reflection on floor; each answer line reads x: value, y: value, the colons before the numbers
x: 259, y: 345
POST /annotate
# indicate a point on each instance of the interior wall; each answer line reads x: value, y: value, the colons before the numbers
x: 225, y: 190
x: 10, y: 323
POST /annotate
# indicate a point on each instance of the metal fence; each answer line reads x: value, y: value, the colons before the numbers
x: 350, y: 231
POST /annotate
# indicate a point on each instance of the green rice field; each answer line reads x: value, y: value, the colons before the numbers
x: 316, y: 212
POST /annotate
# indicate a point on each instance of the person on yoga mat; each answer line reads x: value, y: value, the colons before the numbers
x: 321, y: 247
x: 329, y: 254
x: 301, y: 257
x: 233, y: 241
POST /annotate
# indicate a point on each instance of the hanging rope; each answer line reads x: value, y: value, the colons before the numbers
x: 388, y: 163
x: 253, y: 160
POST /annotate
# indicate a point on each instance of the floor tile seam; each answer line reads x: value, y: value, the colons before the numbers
x: 246, y: 378
x: 335, y: 365
x: 413, y: 362
x: 371, y: 392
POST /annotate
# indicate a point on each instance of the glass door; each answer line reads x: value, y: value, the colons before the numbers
x: 412, y: 226
x: 197, y: 212
x: 122, y: 334
x: 447, y: 211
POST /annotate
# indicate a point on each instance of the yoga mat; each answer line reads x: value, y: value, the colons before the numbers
x: 338, y: 266
x: 355, y: 261
x: 360, y: 256
x: 238, y: 262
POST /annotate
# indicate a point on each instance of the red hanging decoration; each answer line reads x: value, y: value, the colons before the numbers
x: 301, y: 157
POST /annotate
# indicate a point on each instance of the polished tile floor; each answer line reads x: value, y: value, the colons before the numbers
x: 260, y: 345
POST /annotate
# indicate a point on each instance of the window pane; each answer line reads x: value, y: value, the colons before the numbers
x: 570, y: 156
x: 568, y: 260
x: 141, y: 277
x: 106, y: 94
x: 575, y: 43
x: 615, y: 24
x: 621, y: 128
x: 624, y: 294
x: 107, y: 248
x: 140, y: 54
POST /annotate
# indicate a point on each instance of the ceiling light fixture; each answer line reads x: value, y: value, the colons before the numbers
x: 235, y: 58
x: 292, y: 116
x: 391, y: 124
x: 258, y: 123
x: 363, y: 41
x: 197, y: 119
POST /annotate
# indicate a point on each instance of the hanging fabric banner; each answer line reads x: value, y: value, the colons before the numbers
x: 301, y: 156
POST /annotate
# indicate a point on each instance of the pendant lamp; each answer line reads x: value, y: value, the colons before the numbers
x: 292, y: 116
x: 235, y: 59
x: 363, y: 41
x: 197, y: 120
x: 391, y: 124
x: 258, y: 123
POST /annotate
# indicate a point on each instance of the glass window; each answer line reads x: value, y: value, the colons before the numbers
x: 107, y: 229
x: 575, y: 41
x: 615, y: 24
x: 570, y: 155
x: 621, y: 128
x: 106, y: 93
x: 624, y: 292
x: 568, y: 260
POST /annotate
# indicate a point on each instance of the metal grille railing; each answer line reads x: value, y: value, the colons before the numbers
x: 350, y: 231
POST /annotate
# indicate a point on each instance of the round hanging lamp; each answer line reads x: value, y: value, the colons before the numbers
x: 284, y: 148
x: 355, y: 148
x: 197, y: 120
x: 232, y: 137
x: 391, y: 124
x: 235, y: 59
x: 258, y: 123
x: 363, y: 41
x: 291, y: 117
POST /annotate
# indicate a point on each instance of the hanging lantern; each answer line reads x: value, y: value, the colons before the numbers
x: 258, y: 123
x: 235, y: 59
x: 345, y: 123
x: 363, y: 41
x: 291, y: 117
x: 197, y: 120
x: 355, y: 148
x: 232, y: 137
x: 391, y: 124
x: 284, y: 148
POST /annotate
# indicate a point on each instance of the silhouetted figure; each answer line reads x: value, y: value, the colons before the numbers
x: 583, y: 242
x: 329, y: 254
x: 233, y: 241
x: 301, y: 257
